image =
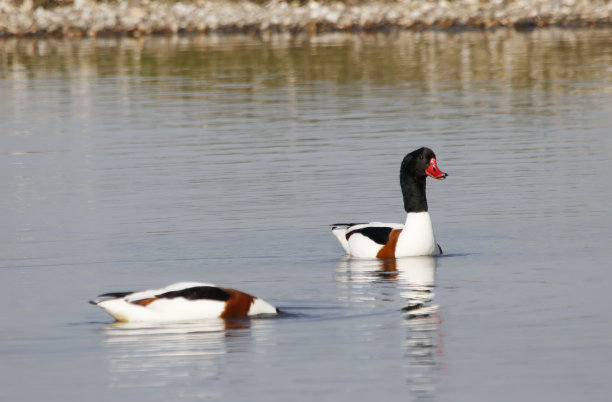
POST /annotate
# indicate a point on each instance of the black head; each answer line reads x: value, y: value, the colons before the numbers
x: 416, y: 166
x: 421, y: 163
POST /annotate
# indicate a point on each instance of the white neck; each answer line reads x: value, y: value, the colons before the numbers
x: 417, y: 237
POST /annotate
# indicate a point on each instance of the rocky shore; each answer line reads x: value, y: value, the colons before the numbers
x: 144, y: 17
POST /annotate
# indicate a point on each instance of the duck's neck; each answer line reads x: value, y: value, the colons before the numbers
x: 417, y: 237
x: 413, y: 190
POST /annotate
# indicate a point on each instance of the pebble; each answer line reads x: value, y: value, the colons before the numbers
x: 145, y: 17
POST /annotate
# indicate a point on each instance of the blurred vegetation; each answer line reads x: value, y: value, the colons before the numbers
x: 59, y: 3
x: 45, y: 3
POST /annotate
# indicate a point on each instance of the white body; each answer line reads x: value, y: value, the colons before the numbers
x: 417, y: 238
x: 173, y: 310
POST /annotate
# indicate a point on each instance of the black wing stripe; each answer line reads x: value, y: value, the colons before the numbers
x: 197, y: 293
x: 378, y: 234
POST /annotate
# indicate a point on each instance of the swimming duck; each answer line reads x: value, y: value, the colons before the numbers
x: 183, y: 301
x: 388, y: 240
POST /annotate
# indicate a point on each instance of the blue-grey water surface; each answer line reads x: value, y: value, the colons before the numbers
x: 134, y: 163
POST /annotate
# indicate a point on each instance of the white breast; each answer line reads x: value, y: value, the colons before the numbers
x: 417, y: 237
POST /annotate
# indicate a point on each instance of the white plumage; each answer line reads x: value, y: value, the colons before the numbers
x: 183, y: 301
x: 416, y: 237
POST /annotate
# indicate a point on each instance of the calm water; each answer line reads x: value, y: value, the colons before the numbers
x: 128, y: 164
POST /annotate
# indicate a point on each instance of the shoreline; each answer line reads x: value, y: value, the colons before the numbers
x: 86, y: 18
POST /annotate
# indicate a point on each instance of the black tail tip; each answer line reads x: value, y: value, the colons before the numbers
x: 345, y: 225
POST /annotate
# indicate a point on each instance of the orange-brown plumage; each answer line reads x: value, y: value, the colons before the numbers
x: 237, y: 305
x: 388, y: 250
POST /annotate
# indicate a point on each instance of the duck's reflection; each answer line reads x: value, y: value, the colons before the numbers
x: 150, y: 355
x: 409, y: 281
x: 413, y: 277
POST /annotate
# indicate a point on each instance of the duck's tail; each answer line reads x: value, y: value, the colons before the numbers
x: 339, y: 230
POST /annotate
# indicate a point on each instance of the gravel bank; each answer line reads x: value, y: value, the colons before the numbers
x: 144, y: 17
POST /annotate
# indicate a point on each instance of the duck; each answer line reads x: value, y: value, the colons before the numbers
x: 182, y: 301
x: 394, y: 240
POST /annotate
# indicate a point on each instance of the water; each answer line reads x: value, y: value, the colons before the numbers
x: 129, y: 164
